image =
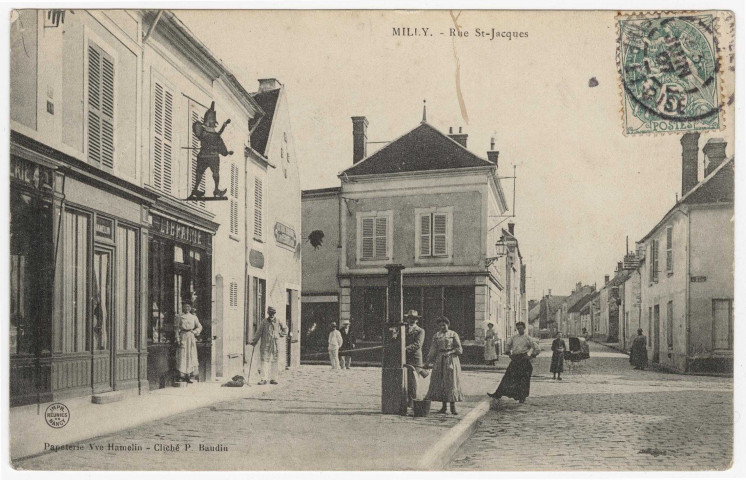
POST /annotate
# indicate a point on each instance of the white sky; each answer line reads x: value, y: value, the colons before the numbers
x: 582, y: 186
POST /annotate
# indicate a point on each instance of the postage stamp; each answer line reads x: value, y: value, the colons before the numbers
x: 668, y: 68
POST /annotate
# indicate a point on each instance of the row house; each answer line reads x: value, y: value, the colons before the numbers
x: 103, y: 247
x: 687, y: 284
x: 609, y: 325
x: 424, y: 201
x: 548, y: 306
x: 567, y: 319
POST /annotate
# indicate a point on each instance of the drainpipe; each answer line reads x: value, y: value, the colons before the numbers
x: 687, y: 293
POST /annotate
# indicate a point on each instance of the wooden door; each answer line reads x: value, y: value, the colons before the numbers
x: 656, y: 334
x: 103, y: 364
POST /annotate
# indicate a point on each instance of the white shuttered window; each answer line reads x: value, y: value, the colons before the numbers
x: 433, y: 234
x: 100, y: 107
x: 258, y: 199
x: 234, y: 199
x: 375, y: 236
x: 163, y: 136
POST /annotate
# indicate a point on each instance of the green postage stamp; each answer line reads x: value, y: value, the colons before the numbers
x: 669, y: 69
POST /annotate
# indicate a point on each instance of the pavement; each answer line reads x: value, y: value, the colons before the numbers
x: 316, y: 419
x: 604, y: 415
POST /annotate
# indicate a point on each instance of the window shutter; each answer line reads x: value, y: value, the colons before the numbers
x: 258, y: 208
x: 381, y: 237
x: 669, y: 249
x: 368, y: 237
x: 163, y: 126
x: 234, y: 180
x: 440, y: 231
x: 100, y: 107
x: 234, y: 217
x: 425, y: 235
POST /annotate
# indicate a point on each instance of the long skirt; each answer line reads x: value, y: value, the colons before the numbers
x: 445, y: 381
x: 186, y: 355
x: 516, y: 382
x: 558, y: 362
x: 490, y: 352
x: 639, y: 356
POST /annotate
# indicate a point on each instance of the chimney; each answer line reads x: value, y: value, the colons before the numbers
x: 606, y: 279
x: 458, y: 137
x: 619, y: 266
x: 689, y: 169
x: 549, y: 293
x: 359, y: 139
x: 511, y: 228
x: 266, y: 84
x: 714, y: 151
x: 492, y: 154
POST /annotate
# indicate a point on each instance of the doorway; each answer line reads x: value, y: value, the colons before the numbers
x: 103, y: 367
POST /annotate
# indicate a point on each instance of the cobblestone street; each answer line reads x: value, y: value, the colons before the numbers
x: 607, y: 416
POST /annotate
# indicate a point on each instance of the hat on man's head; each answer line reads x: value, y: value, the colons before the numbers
x: 412, y: 314
x: 271, y: 310
x: 210, y: 115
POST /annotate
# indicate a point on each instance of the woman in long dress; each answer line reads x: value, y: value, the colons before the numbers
x: 445, y: 382
x: 558, y: 357
x: 186, y: 355
x: 638, y: 355
x: 490, y: 341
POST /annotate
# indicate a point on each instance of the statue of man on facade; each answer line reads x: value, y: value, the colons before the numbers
x: 211, y: 147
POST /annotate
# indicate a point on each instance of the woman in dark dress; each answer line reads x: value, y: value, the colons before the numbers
x: 638, y: 355
x: 558, y: 357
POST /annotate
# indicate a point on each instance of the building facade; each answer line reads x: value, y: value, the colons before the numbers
x: 428, y: 203
x: 687, y: 277
x: 104, y: 248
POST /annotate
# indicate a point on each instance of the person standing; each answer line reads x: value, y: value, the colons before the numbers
x: 516, y: 383
x: 186, y: 355
x: 445, y: 381
x: 558, y: 357
x: 415, y: 338
x: 333, y: 344
x: 638, y: 355
x: 490, y: 344
x: 348, y: 344
x: 270, y: 331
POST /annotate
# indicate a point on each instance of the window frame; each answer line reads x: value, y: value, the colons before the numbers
x: 389, y: 216
x: 90, y: 37
x: 167, y: 87
x: 669, y: 250
x: 432, y: 258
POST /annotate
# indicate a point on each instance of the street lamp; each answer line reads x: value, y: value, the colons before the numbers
x: 503, y: 246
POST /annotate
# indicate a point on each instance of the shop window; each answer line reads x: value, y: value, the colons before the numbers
x: 100, y: 107
x: 76, y: 268
x: 30, y: 273
x: 126, y: 288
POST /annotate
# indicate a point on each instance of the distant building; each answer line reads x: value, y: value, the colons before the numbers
x: 548, y: 307
x: 426, y: 202
x: 569, y: 322
x: 687, y: 284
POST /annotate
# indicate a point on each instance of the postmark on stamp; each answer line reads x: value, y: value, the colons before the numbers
x: 669, y: 73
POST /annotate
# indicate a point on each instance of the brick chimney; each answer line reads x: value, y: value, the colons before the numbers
x: 606, y: 279
x: 266, y: 84
x: 511, y: 228
x: 714, y: 151
x: 689, y: 169
x: 492, y: 154
x: 359, y: 139
x: 549, y: 293
x: 458, y: 137
x: 619, y: 266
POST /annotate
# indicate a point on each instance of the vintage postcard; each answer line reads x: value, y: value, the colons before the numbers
x: 364, y: 240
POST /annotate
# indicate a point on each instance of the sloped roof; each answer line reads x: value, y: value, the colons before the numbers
x: 553, y: 302
x: 717, y: 187
x: 533, y: 314
x: 582, y: 302
x: 423, y: 149
x: 260, y: 136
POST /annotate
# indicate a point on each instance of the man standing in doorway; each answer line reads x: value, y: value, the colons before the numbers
x: 270, y: 331
x: 516, y: 382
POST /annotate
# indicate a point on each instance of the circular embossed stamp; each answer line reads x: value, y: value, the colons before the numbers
x: 669, y: 72
x: 57, y: 415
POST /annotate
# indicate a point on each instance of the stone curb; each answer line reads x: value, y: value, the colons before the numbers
x: 438, y: 456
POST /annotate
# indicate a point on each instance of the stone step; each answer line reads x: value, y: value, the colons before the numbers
x: 108, y: 397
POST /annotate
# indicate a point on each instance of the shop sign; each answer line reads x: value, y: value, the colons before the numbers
x: 285, y: 235
x: 104, y: 228
x: 699, y: 279
x: 180, y: 232
x: 30, y: 173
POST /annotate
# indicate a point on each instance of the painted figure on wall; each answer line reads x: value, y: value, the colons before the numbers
x: 211, y: 147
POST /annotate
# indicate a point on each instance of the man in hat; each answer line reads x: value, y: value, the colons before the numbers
x: 211, y: 147
x: 516, y: 382
x: 269, y: 332
x: 415, y: 338
x: 334, y: 344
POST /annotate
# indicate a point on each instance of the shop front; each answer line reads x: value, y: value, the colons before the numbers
x: 180, y: 270
x: 76, y: 279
